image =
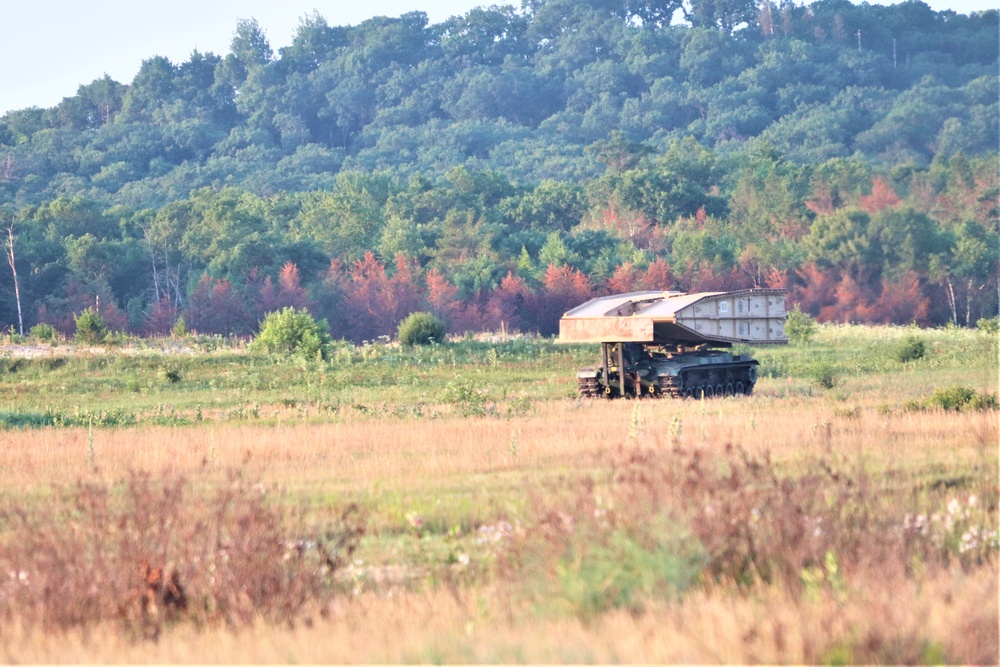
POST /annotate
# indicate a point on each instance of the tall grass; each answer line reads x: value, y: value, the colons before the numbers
x: 499, y: 517
x: 156, y: 551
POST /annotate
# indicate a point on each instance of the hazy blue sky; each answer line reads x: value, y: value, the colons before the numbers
x: 50, y: 47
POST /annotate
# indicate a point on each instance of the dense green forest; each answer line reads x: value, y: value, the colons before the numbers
x: 504, y: 165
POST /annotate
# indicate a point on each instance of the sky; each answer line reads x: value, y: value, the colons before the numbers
x: 51, y: 47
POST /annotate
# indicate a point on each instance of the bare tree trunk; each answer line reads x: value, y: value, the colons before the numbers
x: 156, y: 276
x: 13, y: 270
x: 951, y: 301
x: 968, y: 303
x: 152, y: 261
x: 175, y: 281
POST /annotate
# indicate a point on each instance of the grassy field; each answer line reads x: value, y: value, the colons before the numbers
x: 460, y: 504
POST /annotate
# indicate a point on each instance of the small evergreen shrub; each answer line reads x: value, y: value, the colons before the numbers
x: 799, y: 327
x: 911, y: 349
x: 179, y: 329
x: 90, y: 327
x: 43, y: 332
x: 293, y: 333
x: 421, y: 329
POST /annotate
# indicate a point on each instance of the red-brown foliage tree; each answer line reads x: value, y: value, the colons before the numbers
x: 374, y: 303
x: 405, y: 293
x: 704, y: 277
x: 901, y: 302
x: 162, y: 317
x: 851, y: 299
x: 813, y: 289
x: 113, y: 316
x: 632, y: 225
x: 443, y: 302
x: 364, y: 290
x: 215, y: 307
x: 61, y: 322
x: 563, y: 287
x: 658, y: 276
x: 624, y: 279
x: 508, y: 304
x: 60, y: 311
x: 824, y: 199
x: 289, y: 292
x: 882, y: 197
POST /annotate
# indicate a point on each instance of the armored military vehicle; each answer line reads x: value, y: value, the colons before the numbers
x: 675, y: 343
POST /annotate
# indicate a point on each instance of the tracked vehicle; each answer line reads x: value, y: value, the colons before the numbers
x: 674, y: 343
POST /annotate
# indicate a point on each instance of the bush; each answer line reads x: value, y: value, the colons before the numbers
x: 168, y: 375
x: 826, y: 376
x: 911, y: 349
x: 43, y: 332
x: 294, y: 333
x: 959, y: 398
x: 990, y: 325
x: 149, y: 553
x: 179, y: 329
x: 90, y: 327
x: 421, y: 329
x: 799, y: 327
x: 468, y: 401
x: 584, y: 553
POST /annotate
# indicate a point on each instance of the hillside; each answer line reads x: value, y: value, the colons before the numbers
x: 503, y: 164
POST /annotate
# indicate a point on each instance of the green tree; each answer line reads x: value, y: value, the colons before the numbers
x: 90, y: 327
x: 726, y: 15
x: 619, y: 153
x: 841, y: 239
x: 421, y: 328
x: 291, y: 332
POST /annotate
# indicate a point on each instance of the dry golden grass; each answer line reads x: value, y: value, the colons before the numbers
x: 952, y: 614
x: 478, y: 470
x: 352, y: 455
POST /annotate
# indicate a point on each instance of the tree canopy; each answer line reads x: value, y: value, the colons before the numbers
x: 491, y: 168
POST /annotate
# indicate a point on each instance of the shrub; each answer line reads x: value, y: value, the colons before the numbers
x: 799, y: 327
x: 44, y: 332
x: 90, y: 327
x: 959, y: 398
x: 291, y: 332
x: 467, y: 400
x: 826, y: 376
x: 658, y: 520
x: 990, y: 325
x: 179, y: 329
x: 585, y: 564
x: 911, y: 349
x: 168, y: 375
x: 421, y: 329
x: 148, y: 553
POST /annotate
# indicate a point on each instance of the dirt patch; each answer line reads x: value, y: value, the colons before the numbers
x: 22, y: 351
x: 27, y: 351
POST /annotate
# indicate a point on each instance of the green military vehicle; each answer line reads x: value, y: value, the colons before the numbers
x: 661, y: 343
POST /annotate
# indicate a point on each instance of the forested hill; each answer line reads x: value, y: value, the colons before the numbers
x: 503, y: 164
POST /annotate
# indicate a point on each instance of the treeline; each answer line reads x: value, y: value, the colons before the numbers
x: 504, y: 165
x: 849, y: 241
